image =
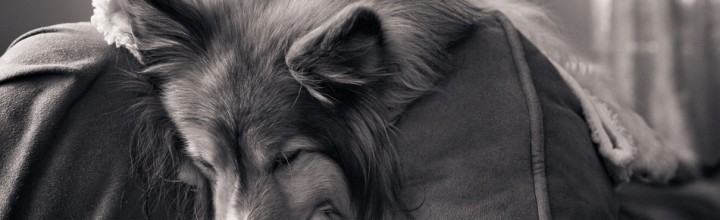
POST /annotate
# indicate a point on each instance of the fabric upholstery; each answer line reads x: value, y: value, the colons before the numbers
x: 63, y: 146
x: 578, y: 186
x: 468, y: 148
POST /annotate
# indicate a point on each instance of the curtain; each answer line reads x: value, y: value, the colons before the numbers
x: 661, y: 57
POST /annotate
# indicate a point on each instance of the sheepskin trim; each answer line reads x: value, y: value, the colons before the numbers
x: 615, y: 144
x: 109, y: 18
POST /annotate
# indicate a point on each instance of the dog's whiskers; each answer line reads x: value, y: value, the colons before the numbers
x: 292, y: 182
x: 297, y: 97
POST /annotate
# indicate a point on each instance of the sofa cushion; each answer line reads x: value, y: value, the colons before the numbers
x: 503, y: 138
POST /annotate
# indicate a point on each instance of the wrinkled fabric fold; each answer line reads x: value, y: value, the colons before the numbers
x: 614, y: 143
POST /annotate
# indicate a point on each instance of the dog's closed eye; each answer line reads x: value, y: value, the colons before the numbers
x: 205, y: 166
x: 326, y: 211
x: 285, y: 158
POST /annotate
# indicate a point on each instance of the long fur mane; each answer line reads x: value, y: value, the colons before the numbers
x: 419, y: 63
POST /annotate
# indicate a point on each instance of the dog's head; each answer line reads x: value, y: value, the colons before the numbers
x: 273, y: 105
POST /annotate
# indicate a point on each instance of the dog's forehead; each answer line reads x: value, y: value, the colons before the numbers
x: 240, y: 90
x: 234, y: 109
x: 259, y: 29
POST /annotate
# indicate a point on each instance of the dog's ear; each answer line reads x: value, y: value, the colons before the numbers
x: 339, y: 57
x: 341, y: 62
x: 152, y: 29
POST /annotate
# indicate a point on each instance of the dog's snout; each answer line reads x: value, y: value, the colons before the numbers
x: 237, y: 215
x: 261, y: 200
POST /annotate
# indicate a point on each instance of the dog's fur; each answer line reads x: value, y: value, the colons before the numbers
x: 283, y: 109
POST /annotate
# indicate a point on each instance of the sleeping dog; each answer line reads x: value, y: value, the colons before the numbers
x: 280, y: 109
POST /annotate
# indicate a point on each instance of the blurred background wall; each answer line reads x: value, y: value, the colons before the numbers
x: 20, y: 16
x: 662, y: 58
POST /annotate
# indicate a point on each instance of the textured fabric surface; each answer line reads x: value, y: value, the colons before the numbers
x: 578, y: 186
x: 466, y: 149
x: 63, y: 149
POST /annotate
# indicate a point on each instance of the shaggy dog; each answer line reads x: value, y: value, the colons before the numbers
x: 280, y: 109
